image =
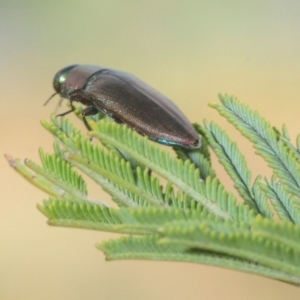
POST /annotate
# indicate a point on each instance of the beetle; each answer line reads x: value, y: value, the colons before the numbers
x: 128, y: 100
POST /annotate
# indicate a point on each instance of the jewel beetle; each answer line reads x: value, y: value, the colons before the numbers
x: 128, y: 100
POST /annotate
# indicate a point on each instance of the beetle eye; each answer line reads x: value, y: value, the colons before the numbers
x: 61, y: 77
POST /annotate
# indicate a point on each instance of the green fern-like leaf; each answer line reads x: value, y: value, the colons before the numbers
x: 227, y: 238
x: 150, y: 247
x: 265, y: 140
x: 172, y: 206
x: 285, y: 204
x: 199, y: 157
x: 61, y: 168
x: 233, y: 161
x: 183, y: 174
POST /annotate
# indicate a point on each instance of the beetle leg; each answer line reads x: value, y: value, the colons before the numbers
x: 74, y: 96
x: 69, y: 111
x: 65, y: 113
x: 117, y: 120
x: 88, y: 111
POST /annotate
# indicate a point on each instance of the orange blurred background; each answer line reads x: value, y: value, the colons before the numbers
x: 188, y: 50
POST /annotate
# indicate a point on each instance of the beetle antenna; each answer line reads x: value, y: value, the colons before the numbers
x: 50, y: 98
x: 59, y: 104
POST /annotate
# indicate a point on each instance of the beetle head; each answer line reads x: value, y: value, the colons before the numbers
x: 61, y: 76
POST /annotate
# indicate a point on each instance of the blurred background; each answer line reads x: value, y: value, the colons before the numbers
x: 188, y: 50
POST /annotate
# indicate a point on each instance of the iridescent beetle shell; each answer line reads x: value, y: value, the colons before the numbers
x: 127, y: 100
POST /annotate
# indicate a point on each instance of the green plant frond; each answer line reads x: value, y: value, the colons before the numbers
x: 204, y: 148
x: 265, y: 140
x: 149, y: 247
x: 117, y: 185
x: 285, y: 175
x: 117, y: 152
x: 298, y: 143
x: 284, y: 137
x: 97, y: 216
x: 261, y: 199
x: 159, y: 215
x: 182, y: 174
x: 101, y: 116
x: 284, y: 203
x: 70, y: 213
x: 150, y: 183
x: 64, y: 131
x: 179, y: 199
x: 183, y: 200
x: 285, y: 132
x: 215, y: 191
x: 63, y: 170
x: 38, y: 177
x: 111, y: 161
x: 131, y: 199
x: 198, y: 159
x: 233, y: 161
x: 138, y: 181
x: 115, y: 175
x: 230, y: 239
x: 112, y: 149
x: 246, y: 120
x: 66, y: 189
x: 175, y: 208
x: 285, y: 233
x: 58, y: 149
x: 146, y: 247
